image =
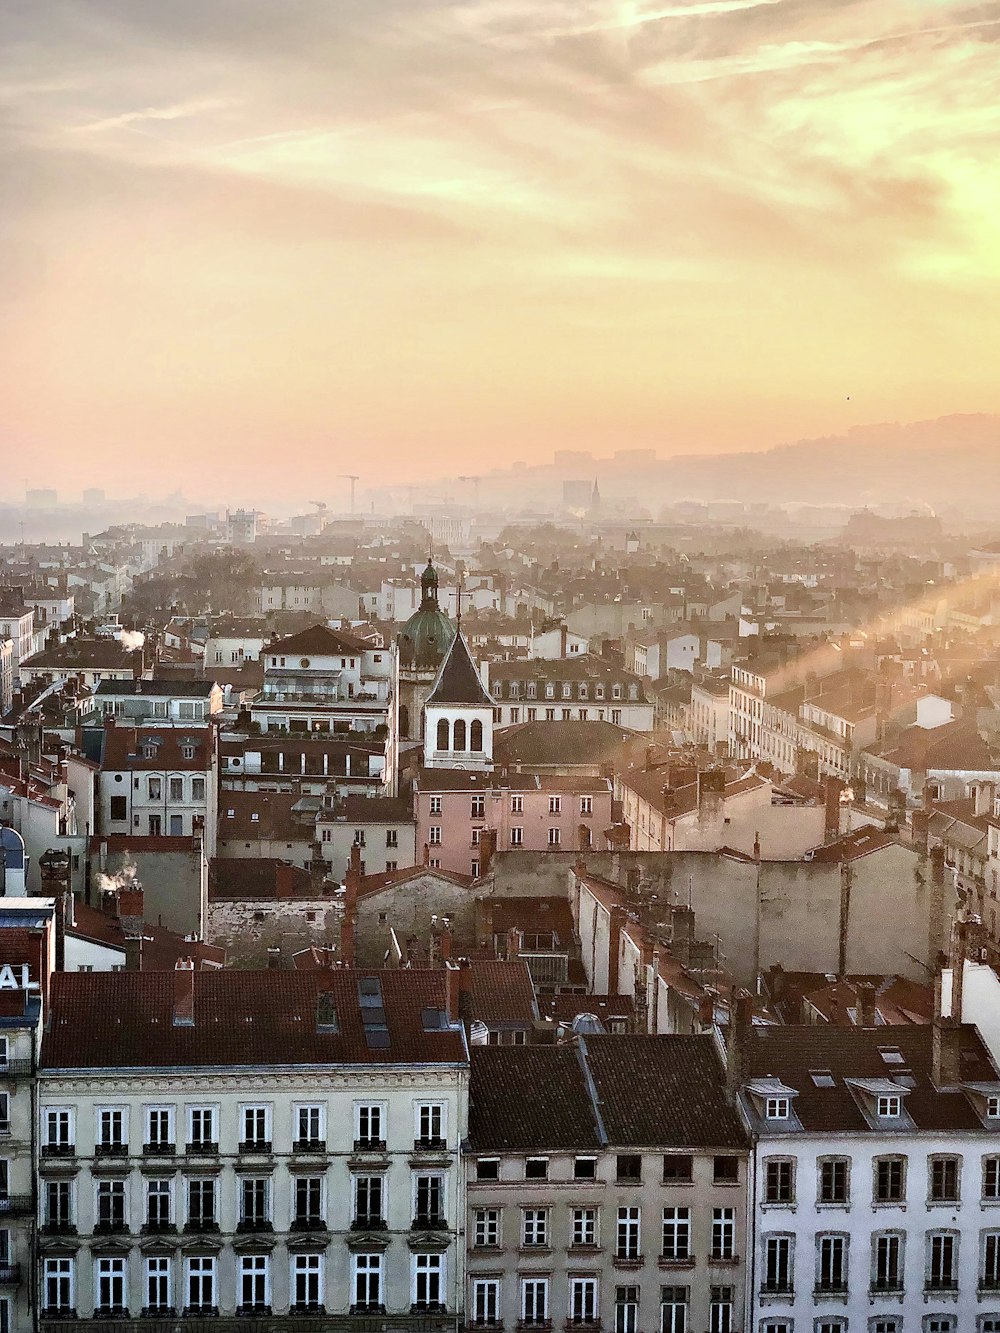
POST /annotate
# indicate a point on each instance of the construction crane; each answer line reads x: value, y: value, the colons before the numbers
x: 475, y: 487
x: 352, y: 478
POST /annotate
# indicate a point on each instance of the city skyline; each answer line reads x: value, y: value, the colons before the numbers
x: 489, y: 230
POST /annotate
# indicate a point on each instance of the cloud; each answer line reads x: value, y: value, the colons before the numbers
x: 178, y: 111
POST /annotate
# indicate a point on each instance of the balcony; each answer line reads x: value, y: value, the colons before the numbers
x: 941, y: 1286
x: 156, y: 1227
x: 830, y: 1290
x: 309, y: 1146
x: 259, y: 1147
x: 430, y: 1144
x: 159, y: 1149
x: 110, y: 1226
x: 370, y: 1145
x: 301, y: 1319
x: 254, y: 1225
x: 111, y: 1150
x: 369, y: 1222
x: 311, y: 1222
x: 58, y: 1150
x: 429, y: 1222
x: 249, y: 1311
x: 887, y: 1286
x: 17, y: 1205
x: 201, y: 1226
x: 58, y: 1227
x: 105, y: 1312
x: 205, y: 1148
x: 14, y: 1069
x: 779, y: 1287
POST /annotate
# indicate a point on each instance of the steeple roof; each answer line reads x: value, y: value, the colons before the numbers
x: 458, y: 680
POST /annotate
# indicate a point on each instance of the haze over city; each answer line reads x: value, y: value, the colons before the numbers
x: 426, y: 233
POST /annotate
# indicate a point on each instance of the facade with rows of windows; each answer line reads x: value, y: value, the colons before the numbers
x: 319, y: 1181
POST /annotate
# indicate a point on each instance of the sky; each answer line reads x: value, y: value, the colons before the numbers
x: 247, y: 242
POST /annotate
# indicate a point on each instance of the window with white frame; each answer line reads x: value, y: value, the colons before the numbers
x: 203, y: 1128
x: 720, y: 1310
x: 110, y: 1137
x: 517, y: 836
x: 310, y: 1125
x: 831, y: 1263
x: 159, y: 1128
x: 369, y: 1125
x: 676, y: 1233
x: 517, y: 805
x: 256, y: 1127
x: 58, y: 1130
x: 253, y: 1284
x: 585, y: 1226
x: 627, y: 1233
x: 486, y: 1300
x: 776, y: 1108
x: 989, y: 1266
x: 991, y: 1177
x: 674, y: 1309
x: 777, y: 1275
x: 555, y: 805
x: 534, y: 1300
x: 434, y: 806
x: 366, y: 1281
x: 200, y: 1284
x: 888, y: 1106
x: 57, y: 1212
x: 109, y: 1286
x: 486, y: 1228
x: 583, y: 1300
x: 307, y: 1202
x: 111, y: 1206
x: 723, y: 1233
x: 586, y: 805
x: 779, y: 1180
x: 58, y: 1286
x: 158, y: 1284
x: 202, y: 1210
x: 434, y: 835
x: 555, y: 836
x: 887, y: 1261
x: 427, y: 1280
x: 307, y: 1283
x: 477, y: 807
x: 534, y: 1228
x: 430, y: 1129
x: 255, y: 1202
x: 369, y: 1200
x: 942, y: 1261
x: 626, y: 1309
x: 159, y: 1203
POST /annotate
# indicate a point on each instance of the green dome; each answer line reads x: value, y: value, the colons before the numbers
x: 427, y: 635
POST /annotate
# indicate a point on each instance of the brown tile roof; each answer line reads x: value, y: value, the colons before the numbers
x: 124, y: 1020
x: 319, y: 641
x: 123, y: 748
x: 264, y: 877
x: 862, y: 842
x: 161, y: 948
x: 791, y: 1053
x: 500, y: 993
x: 529, y: 1099
x: 567, y: 1005
x: 261, y: 814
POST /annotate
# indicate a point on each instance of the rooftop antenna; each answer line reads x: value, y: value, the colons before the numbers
x: 458, y: 602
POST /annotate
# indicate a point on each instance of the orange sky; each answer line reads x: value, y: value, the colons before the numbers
x: 376, y: 235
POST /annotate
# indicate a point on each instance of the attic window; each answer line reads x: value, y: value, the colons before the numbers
x: 776, y: 1108
x: 254, y: 817
x: 993, y: 1107
x: 889, y: 1107
x: 187, y: 751
x: 434, y: 1020
x: 822, y: 1078
x: 230, y: 814
x: 891, y: 1055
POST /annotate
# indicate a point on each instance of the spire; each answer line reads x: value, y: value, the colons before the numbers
x: 429, y: 584
x: 458, y: 680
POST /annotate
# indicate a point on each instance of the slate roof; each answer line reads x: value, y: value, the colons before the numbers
x: 529, y: 1099
x: 458, y: 680
x: 124, y: 1020
x: 791, y: 1053
x: 665, y: 1091
x: 317, y: 641
x: 170, y: 689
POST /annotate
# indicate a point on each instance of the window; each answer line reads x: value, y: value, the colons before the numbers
x: 488, y: 1168
x: 368, y: 1201
x: 310, y: 1127
x: 478, y: 810
x: 777, y: 1277
x: 119, y: 808
x: 369, y: 1125
x: 428, y: 1281
x: 428, y: 1200
x: 159, y: 1211
x: 673, y: 1309
x: 197, y: 789
x: 58, y: 1135
x: 476, y: 736
x: 939, y: 1323
x: 111, y: 1131
x: 776, y: 1108
x: 944, y: 1179
x: 435, y: 805
x: 255, y: 1203
x: 586, y: 805
x: 159, y: 1129
x: 458, y: 735
x: 989, y: 1275
x: 109, y: 1294
x: 886, y: 1324
x: 486, y: 1228
x: 627, y: 1235
x: 367, y: 1281
x: 442, y: 733
x: 307, y: 1203
x: 991, y: 1177
x: 890, y: 1179
x: 626, y: 1310
x: 430, y: 1125
x: 534, y: 1228
x: 889, y: 1106
x: 256, y: 1129
x: 720, y: 1310
x: 585, y: 1226
x: 779, y: 1180
x: 726, y: 1170
x: 833, y: 1180
x: 158, y: 1283
x: 676, y: 1234
x: 58, y: 1214
x: 252, y: 1284
x: 942, y: 1265
x: 486, y: 1300
x: 555, y: 835
x: 723, y: 1233
x: 517, y: 805
x: 555, y: 805
x: 307, y: 1283
x: 517, y: 837
x: 200, y: 1284
x: 582, y: 1300
x: 57, y: 1287
x: 110, y: 1206
x: 629, y: 1169
x: 831, y: 1264
x: 887, y: 1262
x: 584, y: 1168
x: 536, y: 1168
x: 434, y: 835
x: 534, y: 1300
x: 202, y: 1214
x: 677, y: 1168
x: 155, y: 789
x: 202, y: 1129
x: 392, y: 837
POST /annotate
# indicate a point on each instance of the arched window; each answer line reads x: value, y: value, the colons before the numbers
x: 476, y: 736
x: 442, y: 741
x: 459, y: 741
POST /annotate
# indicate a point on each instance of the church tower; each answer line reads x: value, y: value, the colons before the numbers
x: 420, y: 649
x: 458, y: 715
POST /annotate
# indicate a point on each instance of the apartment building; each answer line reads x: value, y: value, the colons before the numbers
x: 584, y: 688
x: 251, y: 1144
x: 607, y: 1188
x: 324, y: 680
x: 158, y: 702
x: 877, y: 1170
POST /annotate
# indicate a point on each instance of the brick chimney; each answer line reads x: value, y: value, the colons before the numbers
x: 740, y: 1026
x: 487, y: 850
x: 133, y: 950
x: 130, y: 901
x: 513, y: 942
x: 184, y: 993
x: 618, y: 918
x: 832, y: 787
x: 866, y: 1005
x: 352, y: 883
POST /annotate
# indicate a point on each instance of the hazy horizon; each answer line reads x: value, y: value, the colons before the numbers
x: 414, y: 241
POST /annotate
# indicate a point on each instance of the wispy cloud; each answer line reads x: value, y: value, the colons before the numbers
x: 188, y: 110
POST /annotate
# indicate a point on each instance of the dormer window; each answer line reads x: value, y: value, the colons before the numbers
x: 993, y: 1107
x: 149, y: 752
x: 889, y: 1107
x: 776, y: 1108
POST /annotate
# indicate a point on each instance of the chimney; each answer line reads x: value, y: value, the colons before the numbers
x: 130, y: 902
x: 133, y: 950
x: 983, y: 800
x: 946, y: 1034
x: 445, y: 942
x: 618, y: 918
x: 740, y: 1026
x: 487, y: 850
x: 352, y: 882
x: 453, y: 989
x: 184, y: 993
x: 513, y: 942
x: 273, y: 957
x: 831, y: 824
x: 865, y: 992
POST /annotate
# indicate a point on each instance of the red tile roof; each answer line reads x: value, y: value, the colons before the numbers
x: 123, y: 748
x: 500, y: 993
x: 125, y: 1020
